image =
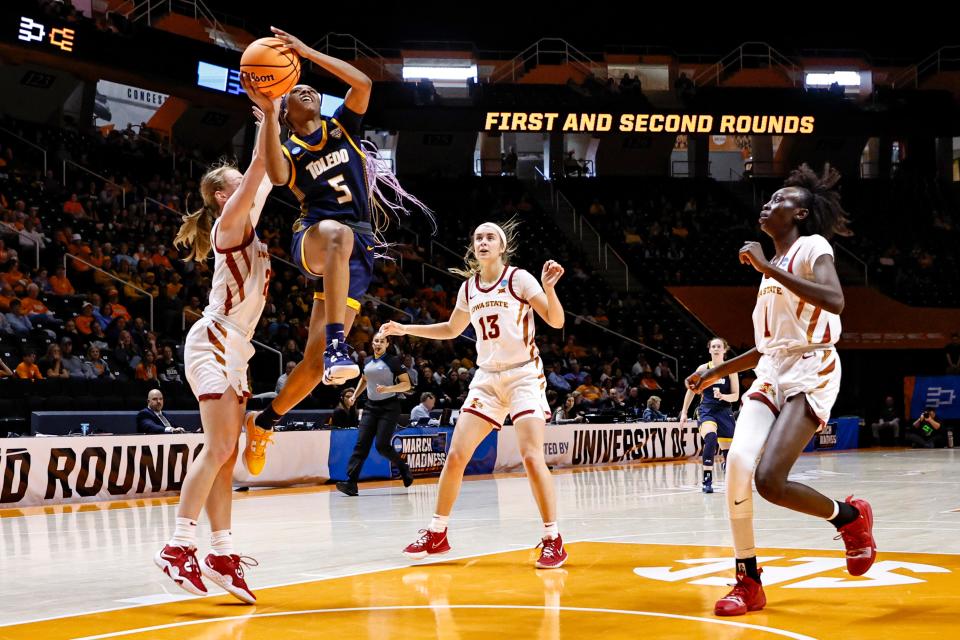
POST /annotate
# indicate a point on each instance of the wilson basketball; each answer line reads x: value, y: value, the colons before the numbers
x: 273, y: 66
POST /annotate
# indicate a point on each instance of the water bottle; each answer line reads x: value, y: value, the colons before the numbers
x: 85, y: 428
x: 950, y: 439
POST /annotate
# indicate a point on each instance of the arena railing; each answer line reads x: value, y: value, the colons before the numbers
x: 122, y: 282
x: 34, y: 145
x: 123, y: 192
x: 357, y: 48
x: 579, y: 318
x: 944, y: 58
x: 515, y: 68
x: 749, y: 51
x: 603, y: 249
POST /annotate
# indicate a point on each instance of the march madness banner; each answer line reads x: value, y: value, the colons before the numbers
x: 940, y: 392
x: 590, y: 444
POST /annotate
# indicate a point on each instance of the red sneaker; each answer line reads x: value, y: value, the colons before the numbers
x: 227, y: 572
x: 552, y: 553
x: 180, y: 563
x: 746, y: 595
x: 858, y: 538
x: 430, y: 543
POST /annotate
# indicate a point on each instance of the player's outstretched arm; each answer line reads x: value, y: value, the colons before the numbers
x: 277, y: 166
x: 235, y: 222
x: 699, y: 381
x: 440, y: 331
x: 358, y: 97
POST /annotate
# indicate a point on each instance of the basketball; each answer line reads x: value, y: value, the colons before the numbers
x: 273, y: 67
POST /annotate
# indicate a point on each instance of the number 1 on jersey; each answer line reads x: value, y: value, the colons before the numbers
x: 490, y: 329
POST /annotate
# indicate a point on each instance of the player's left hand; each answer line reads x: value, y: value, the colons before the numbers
x: 716, y: 393
x: 265, y: 103
x: 552, y: 272
x: 751, y: 254
x: 381, y: 388
x: 291, y: 41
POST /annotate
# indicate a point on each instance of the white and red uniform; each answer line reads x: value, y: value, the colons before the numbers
x: 218, y: 346
x: 509, y: 378
x: 796, y: 338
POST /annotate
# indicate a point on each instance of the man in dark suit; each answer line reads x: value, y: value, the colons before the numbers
x: 152, y: 419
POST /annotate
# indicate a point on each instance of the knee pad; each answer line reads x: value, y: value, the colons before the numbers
x: 709, y: 448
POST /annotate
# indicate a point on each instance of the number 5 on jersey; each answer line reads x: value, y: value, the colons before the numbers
x: 337, y: 184
x: 490, y: 328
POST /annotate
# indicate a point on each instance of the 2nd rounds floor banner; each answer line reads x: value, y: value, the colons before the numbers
x: 574, y: 445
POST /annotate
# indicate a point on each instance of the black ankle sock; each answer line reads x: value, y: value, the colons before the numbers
x: 707, y: 477
x: 847, y: 514
x: 268, y: 418
x: 748, y: 567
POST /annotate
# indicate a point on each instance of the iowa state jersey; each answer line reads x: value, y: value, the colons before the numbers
x: 784, y: 323
x: 328, y: 171
x: 238, y: 290
x: 502, y: 318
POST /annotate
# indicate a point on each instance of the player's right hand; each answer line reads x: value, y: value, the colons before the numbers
x: 683, y: 421
x: 269, y: 106
x: 392, y: 328
x: 696, y: 382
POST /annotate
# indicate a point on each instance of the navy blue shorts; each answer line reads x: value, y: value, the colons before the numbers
x: 723, y: 418
x: 361, y: 266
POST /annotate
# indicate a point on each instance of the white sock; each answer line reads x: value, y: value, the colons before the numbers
x: 439, y: 523
x: 836, y: 510
x: 221, y: 542
x: 550, y: 530
x: 185, y: 535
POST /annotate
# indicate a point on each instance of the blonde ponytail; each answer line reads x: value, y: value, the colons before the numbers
x: 194, y: 233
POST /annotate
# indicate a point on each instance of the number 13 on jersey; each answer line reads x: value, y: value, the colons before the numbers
x: 489, y: 327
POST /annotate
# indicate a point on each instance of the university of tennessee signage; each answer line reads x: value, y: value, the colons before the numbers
x: 538, y: 121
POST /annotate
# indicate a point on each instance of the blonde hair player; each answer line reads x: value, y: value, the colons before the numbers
x: 499, y: 301
x: 714, y: 413
x: 216, y: 353
x: 796, y: 322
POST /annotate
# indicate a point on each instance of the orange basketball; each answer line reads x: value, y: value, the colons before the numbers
x: 273, y: 66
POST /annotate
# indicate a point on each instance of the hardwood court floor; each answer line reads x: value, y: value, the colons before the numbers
x: 647, y: 558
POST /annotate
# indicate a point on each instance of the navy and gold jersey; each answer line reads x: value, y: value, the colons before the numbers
x: 328, y: 172
x: 708, y: 401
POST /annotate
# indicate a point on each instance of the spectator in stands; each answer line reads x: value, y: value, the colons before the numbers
x: 589, y: 391
x: 664, y: 374
x: 85, y: 320
x: 98, y: 338
x: 652, y: 412
x: 412, y: 372
x: 5, y: 327
x: 5, y: 371
x: 575, y: 376
x: 570, y: 165
x: 345, y: 415
x: 27, y: 369
x: 31, y: 238
x: 60, y: 283
x: 95, y: 367
x: 169, y: 368
x: 888, y: 419
x: 282, y: 380
x: 18, y: 320
x: 566, y: 412
x: 152, y: 419
x: 952, y: 353
x: 458, y: 385
x: 51, y: 365
x: 147, y: 369
x: 557, y: 381
x: 291, y: 352
x: 71, y: 362
x: 925, y: 430
x: 74, y: 207
x: 422, y: 410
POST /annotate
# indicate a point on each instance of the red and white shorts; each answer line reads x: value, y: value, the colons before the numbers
x: 516, y: 392
x: 215, y: 359
x: 814, y: 373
